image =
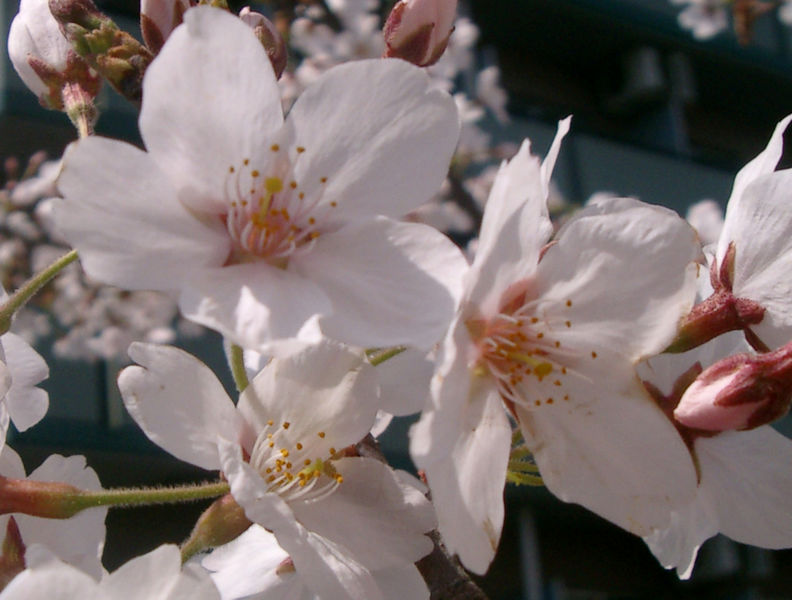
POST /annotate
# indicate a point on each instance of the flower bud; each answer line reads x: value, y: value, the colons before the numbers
x: 739, y: 392
x: 269, y: 36
x: 222, y: 522
x: 50, y: 500
x: 44, y: 58
x: 158, y: 18
x: 418, y: 30
x: 12, y: 559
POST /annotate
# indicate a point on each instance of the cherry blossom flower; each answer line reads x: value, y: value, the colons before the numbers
x: 744, y: 480
x: 286, y: 460
x: 418, y: 30
x: 553, y: 333
x: 254, y: 563
x: 704, y: 18
x: 79, y: 540
x: 272, y: 230
x: 157, y: 575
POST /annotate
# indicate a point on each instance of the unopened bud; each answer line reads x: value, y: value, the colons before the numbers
x: 269, y: 36
x: 50, y: 500
x: 219, y: 524
x: 158, y: 18
x: 12, y: 559
x: 44, y: 58
x: 418, y: 30
x: 740, y: 392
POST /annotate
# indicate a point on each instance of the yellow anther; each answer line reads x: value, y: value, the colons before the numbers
x: 542, y: 369
x: 299, y: 446
x: 286, y: 425
x: 321, y: 434
x: 332, y: 450
x: 255, y: 173
x: 270, y: 422
x: 300, y: 149
x: 273, y: 184
x: 274, y: 147
x: 339, y: 478
x: 284, y: 452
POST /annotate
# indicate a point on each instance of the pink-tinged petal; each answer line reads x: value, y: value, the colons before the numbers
x: 622, y: 275
x: 257, y: 306
x: 323, y: 565
x: 122, y: 215
x: 384, y: 151
x: 612, y: 450
x: 404, y: 382
x: 179, y: 403
x: 331, y: 391
x: 26, y: 403
x: 515, y: 227
x: 747, y: 476
x: 380, y: 520
x: 389, y: 283
x: 467, y: 481
x: 761, y: 229
x: 208, y: 100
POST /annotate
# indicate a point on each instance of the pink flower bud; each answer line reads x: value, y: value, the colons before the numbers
x: 269, y: 36
x: 43, y: 57
x: 739, y: 392
x: 51, y: 500
x: 418, y: 30
x: 158, y: 18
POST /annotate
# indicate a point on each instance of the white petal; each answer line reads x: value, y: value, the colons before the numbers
x: 764, y: 164
x: 379, y: 132
x: 390, y: 283
x: 625, y: 271
x: 747, y: 475
x: 330, y: 390
x: 380, y: 521
x: 208, y: 101
x: 258, y: 306
x: 552, y: 155
x: 122, y: 215
x: 26, y: 403
x: 248, y: 564
x: 179, y: 403
x: 762, y: 234
x: 404, y: 382
x: 158, y: 575
x: 515, y: 227
x: 52, y: 580
x: 80, y: 539
x: 612, y: 451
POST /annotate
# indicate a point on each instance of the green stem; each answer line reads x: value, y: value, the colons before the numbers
x: 126, y: 497
x: 378, y: 356
x: 33, y: 285
x: 236, y: 361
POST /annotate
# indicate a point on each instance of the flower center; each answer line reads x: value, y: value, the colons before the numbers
x: 292, y: 469
x: 522, y: 348
x: 271, y: 216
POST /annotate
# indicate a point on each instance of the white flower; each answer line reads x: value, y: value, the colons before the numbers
x: 157, y: 575
x: 282, y: 449
x: 79, y: 540
x: 254, y: 563
x: 553, y: 333
x: 744, y: 479
x: 271, y: 229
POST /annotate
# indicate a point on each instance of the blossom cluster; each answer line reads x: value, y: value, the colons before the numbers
x: 627, y: 361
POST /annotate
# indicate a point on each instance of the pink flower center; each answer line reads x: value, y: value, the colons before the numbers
x: 522, y: 348
x: 270, y: 216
